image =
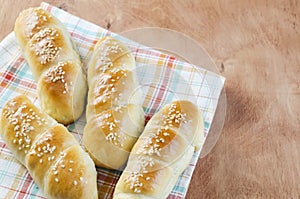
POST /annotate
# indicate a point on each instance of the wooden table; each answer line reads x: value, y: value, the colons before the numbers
x: 256, y: 46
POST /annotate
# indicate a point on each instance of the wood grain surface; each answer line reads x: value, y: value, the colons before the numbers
x: 256, y: 46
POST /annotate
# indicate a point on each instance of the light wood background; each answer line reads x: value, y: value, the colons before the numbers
x: 256, y: 46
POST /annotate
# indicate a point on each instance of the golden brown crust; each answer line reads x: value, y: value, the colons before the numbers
x: 62, y: 82
x: 71, y: 176
x: 44, y: 48
x: 162, y: 152
x: 45, y: 148
x: 113, y: 88
x: 21, y: 122
x: 144, y: 183
x: 109, y: 53
x: 30, y: 22
x: 113, y: 129
x: 105, y: 91
x: 46, y: 44
x: 58, y: 80
x: 183, y: 116
x: 114, y: 115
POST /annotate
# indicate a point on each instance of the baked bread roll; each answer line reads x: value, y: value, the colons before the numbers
x: 162, y: 152
x: 53, y: 157
x: 53, y: 59
x: 114, y: 115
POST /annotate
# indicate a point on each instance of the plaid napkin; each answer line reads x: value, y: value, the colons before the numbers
x: 162, y: 77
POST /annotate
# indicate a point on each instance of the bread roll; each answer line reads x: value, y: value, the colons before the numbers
x: 55, y: 64
x: 51, y: 154
x: 114, y: 115
x: 162, y: 152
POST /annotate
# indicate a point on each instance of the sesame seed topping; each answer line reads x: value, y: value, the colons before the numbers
x: 56, y: 180
x: 136, y: 190
x: 107, y: 48
x: 44, y: 46
x: 106, y: 86
x: 134, y: 181
x: 57, y: 74
x: 111, y: 130
x: 153, y: 146
x: 75, y: 182
x: 174, y: 116
x: 22, y: 121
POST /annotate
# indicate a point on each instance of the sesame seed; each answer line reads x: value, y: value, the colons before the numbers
x: 44, y: 45
x: 136, y: 190
x: 75, y: 182
x: 56, y: 180
x: 17, y: 127
x: 70, y: 169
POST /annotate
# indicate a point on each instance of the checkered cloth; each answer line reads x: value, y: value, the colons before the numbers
x: 162, y: 77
